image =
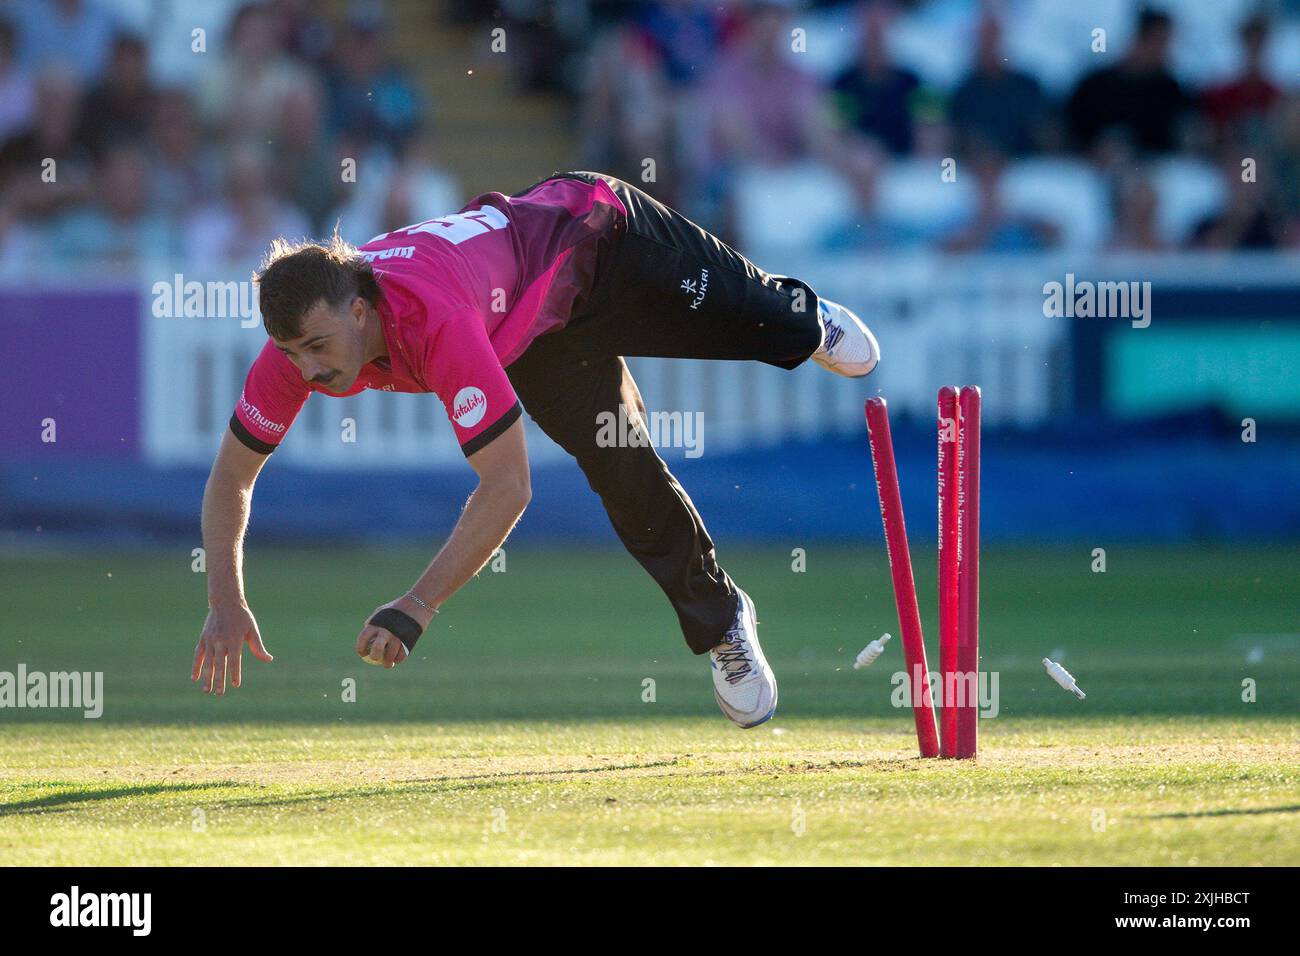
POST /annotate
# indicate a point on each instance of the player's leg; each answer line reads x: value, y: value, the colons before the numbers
x: 669, y: 288
x: 647, y: 506
x: 564, y: 389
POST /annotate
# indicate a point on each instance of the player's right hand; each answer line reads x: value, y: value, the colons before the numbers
x: 221, y: 647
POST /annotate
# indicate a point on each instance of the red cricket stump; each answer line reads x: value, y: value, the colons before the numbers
x: 900, y: 567
x: 968, y: 568
x: 948, y: 424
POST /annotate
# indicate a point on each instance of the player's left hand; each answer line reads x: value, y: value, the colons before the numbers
x: 377, y: 645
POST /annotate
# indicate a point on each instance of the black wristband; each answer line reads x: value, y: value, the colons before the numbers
x: 406, y: 628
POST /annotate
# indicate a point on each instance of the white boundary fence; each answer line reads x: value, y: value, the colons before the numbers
x: 940, y: 319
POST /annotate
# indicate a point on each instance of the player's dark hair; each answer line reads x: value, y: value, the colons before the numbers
x: 296, y: 276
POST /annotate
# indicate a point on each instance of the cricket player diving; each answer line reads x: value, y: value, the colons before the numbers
x: 520, y: 303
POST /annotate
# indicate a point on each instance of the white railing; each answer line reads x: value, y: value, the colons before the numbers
x: 939, y: 319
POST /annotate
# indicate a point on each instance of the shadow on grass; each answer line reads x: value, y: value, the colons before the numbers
x: 69, y: 796
x: 505, y: 774
x: 805, y: 767
x: 454, y: 783
x: 435, y: 785
x: 1244, y: 812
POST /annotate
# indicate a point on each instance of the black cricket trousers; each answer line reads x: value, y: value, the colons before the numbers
x: 663, y: 287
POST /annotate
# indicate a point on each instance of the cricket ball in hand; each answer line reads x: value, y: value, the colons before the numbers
x: 367, y: 658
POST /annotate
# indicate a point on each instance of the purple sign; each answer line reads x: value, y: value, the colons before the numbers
x: 74, y: 357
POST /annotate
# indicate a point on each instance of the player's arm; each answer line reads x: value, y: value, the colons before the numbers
x: 227, y: 499
x: 274, y: 393
x: 503, y: 492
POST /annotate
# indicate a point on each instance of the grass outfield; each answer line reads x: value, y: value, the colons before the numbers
x: 519, y: 734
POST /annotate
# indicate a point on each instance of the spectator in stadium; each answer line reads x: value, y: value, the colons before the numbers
x: 626, y: 113
x: 867, y: 229
x: 120, y: 106
x: 542, y: 37
x: 874, y: 97
x: 1135, y: 227
x: 17, y: 96
x: 303, y: 159
x: 304, y: 33
x: 761, y: 107
x: 991, y: 228
x: 1139, y: 99
x: 1248, y: 219
x: 184, y: 175
x: 397, y: 192
x: 51, y: 144
x: 685, y: 34
x: 237, y: 227
x: 243, y: 91
x: 1284, y: 150
x: 74, y: 34
x: 117, y: 227
x: 995, y: 106
x: 757, y: 109
x: 1238, y: 110
x: 370, y: 97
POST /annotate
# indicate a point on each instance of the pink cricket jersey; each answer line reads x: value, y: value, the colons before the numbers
x: 463, y: 296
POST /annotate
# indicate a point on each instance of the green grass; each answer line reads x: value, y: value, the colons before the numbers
x: 519, y: 732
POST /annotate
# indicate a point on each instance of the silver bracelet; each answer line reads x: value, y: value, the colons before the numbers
x: 416, y: 598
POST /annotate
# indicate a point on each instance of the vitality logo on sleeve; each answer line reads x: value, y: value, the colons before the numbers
x: 469, y: 406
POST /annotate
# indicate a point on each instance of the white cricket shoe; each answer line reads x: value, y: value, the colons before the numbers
x: 743, y: 684
x: 848, y: 348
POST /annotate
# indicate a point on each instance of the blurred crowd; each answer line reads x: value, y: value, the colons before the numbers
x: 723, y: 92
x: 123, y: 137
x: 108, y: 155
